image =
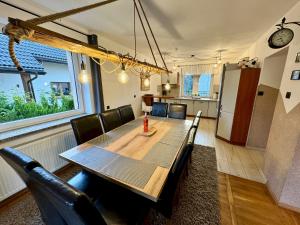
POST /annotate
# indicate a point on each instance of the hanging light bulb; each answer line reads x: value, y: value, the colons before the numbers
x: 168, y: 86
x: 83, y: 75
x: 219, y: 61
x: 123, y: 76
x: 215, y: 65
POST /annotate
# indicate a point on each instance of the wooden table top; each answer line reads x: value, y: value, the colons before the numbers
x: 134, y: 161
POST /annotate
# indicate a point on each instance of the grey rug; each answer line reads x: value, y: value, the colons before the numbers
x: 197, y: 200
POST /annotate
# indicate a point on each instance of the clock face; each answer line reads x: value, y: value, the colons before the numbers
x: 281, y: 38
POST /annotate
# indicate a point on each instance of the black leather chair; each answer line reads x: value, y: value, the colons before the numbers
x: 159, y: 109
x: 167, y: 197
x: 126, y: 113
x: 19, y: 161
x: 86, y: 128
x: 196, y: 122
x: 177, y: 111
x: 62, y: 204
x: 191, y: 142
x: 199, y: 113
x: 111, y: 119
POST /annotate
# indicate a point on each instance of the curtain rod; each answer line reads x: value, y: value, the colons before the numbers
x: 37, y: 15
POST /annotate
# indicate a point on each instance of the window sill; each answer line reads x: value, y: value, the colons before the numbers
x: 21, y: 132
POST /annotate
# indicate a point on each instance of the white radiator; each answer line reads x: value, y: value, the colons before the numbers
x: 45, y: 151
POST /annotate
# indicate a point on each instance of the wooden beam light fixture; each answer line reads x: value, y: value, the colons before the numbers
x: 19, y: 30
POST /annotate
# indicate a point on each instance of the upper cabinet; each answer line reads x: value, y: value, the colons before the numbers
x: 173, y: 78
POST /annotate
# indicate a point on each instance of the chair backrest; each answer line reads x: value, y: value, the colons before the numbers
x: 111, y: 119
x: 19, y: 161
x: 199, y: 113
x: 192, y: 135
x: 196, y: 122
x: 180, y: 161
x: 159, y: 109
x: 126, y: 113
x: 59, y: 202
x: 86, y: 128
x: 177, y: 111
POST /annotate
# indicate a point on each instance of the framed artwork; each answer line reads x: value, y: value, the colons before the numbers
x: 297, y: 58
x: 143, y: 86
x: 295, y: 75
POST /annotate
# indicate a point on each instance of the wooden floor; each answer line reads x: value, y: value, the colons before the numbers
x: 231, y: 159
x: 245, y: 202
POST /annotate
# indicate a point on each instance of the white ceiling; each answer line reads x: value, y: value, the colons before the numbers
x: 182, y: 27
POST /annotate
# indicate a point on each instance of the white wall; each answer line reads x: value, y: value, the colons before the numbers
x: 282, y: 152
x: 261, y: 50
x: 273, y: 66
x: 11, y: 84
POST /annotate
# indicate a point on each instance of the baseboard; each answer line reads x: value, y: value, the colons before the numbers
x: 281, y: 204
x: 286, y: 206
x: 255, y: 148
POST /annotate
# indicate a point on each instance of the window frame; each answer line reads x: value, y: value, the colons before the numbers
x: 74, y: 69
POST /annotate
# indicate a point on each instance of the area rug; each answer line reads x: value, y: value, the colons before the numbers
x: 197, y: 202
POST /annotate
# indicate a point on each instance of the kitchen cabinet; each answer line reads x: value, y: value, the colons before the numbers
x: 212, y: 109
x: 178, y: 101
x: 202, y: 106
x: 173, y: 78
x: 190, y: 106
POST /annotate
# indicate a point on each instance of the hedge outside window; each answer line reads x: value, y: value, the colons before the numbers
x: 46, y: 87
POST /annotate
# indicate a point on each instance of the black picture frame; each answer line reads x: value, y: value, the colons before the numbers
x: 297, y: 60
x: 295, y: 75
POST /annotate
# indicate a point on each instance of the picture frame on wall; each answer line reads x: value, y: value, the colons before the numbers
x: 297, y: 60
x: 295, y: 75
x: 143, y: 86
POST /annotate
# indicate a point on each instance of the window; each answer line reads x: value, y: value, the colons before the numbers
x: 60, y: 88
x: 197, y: 85
x: 46, y: 88
x: 188, y: 85
x: 204, y: 85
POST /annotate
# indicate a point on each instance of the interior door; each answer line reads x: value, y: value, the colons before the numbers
x: 228, y: 100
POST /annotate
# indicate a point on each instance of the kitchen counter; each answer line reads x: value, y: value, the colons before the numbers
x: 208, y: 106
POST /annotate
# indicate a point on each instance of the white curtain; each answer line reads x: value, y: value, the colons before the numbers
x: 197, y: 69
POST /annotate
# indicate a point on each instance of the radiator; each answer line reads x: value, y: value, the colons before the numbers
x: 45, y: 151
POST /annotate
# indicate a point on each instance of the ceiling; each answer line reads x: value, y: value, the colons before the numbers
x: 182, y: 28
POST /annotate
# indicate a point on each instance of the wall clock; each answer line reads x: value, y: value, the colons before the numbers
x: 283, y: 36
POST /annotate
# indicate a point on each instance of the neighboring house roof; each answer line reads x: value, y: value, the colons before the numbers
x: 30, y: 55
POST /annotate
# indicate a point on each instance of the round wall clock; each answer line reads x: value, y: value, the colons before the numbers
x: 281, y: 38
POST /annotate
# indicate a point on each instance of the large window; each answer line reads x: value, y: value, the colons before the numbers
x: 197, y: 85
x: 47, y: 86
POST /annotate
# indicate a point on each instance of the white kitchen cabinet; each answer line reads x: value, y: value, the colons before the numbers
x: 173, y: 101
x: 202, y: 106
x: 212, y: 109
x: 190, y: 106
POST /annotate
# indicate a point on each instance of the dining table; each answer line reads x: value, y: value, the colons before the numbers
x: 132, y: 159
